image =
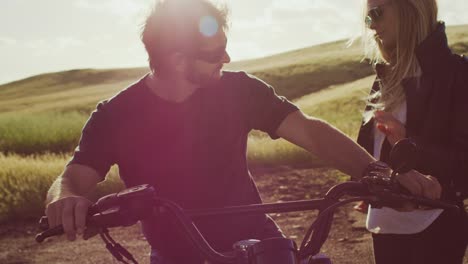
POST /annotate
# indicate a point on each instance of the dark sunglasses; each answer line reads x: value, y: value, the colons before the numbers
x: 214, y: 56
x: 374, y: 15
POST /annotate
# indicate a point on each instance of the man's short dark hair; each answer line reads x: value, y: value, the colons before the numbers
x: 173, y: 25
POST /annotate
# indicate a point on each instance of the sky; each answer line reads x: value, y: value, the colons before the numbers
x: 55, y: 35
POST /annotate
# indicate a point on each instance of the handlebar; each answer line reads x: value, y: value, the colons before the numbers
x: 138, y: 203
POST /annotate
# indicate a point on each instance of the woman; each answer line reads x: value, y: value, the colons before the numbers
x: 420, y: 92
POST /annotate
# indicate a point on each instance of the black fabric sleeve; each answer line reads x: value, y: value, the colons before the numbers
x: 95, y: 148
x: 451, y: 161
x: 265, y: 109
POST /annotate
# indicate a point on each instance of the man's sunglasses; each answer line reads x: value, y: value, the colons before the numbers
x: 374, y: 15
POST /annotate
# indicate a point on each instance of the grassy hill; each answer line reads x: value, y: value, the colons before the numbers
x: 68, y: 90
x: 293, y: 74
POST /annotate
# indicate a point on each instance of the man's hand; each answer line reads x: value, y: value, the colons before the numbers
x: 420, y: 184
x: 393, y: 129
x: 66, y: 202
x: 71, y: 213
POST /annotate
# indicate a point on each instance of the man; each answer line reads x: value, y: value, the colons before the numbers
x: 183, y: 128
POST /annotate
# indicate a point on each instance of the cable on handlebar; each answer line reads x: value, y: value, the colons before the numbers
x: 318, y: 232
x: 115, y: 248
x: 193, y: 234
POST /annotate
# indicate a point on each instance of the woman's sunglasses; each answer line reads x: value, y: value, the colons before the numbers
x: 374, y: 15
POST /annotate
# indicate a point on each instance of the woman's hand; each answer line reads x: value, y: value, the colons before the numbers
x: 393, y: 129
x: 417, y: 184
x: 420, y: 184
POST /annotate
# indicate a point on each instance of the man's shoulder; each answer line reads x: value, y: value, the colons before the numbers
x: 235, y: 76
x: 126, y: 99
x: 243, y: 79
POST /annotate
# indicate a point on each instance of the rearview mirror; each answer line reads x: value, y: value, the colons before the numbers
x: 403, y: 156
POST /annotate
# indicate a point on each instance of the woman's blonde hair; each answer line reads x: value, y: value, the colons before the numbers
x: 416, y: 19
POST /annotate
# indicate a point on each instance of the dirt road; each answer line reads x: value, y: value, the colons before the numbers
x: 347, y: 243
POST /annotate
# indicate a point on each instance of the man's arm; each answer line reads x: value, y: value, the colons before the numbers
x: 326, y: 142
x: 66, y: 203
x: 331, y: 145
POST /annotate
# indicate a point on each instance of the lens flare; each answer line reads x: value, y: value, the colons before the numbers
x: 208, y: 26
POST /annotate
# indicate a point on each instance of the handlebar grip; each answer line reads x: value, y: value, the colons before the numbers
x: 44, y: 223
x: 58, y: 230
x: 437, y: 204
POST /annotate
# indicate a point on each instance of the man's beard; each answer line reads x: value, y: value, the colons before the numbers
x: 202, y: 79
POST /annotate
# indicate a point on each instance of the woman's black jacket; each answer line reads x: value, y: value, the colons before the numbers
x: 437, y: 115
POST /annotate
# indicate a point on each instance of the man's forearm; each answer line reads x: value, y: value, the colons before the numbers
x: 60, y: 188
x: 76, y: 180
x: 339, y: 150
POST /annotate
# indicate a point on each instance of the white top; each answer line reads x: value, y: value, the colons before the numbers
x: 387, y: 220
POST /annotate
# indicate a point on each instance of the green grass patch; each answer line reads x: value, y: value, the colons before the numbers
x: 345, y: 113
x: 262, y: 151
x: 27, y: 133
x: 24, y: 182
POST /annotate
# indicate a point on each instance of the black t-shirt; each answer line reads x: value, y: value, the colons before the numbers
x: 193, y: 152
